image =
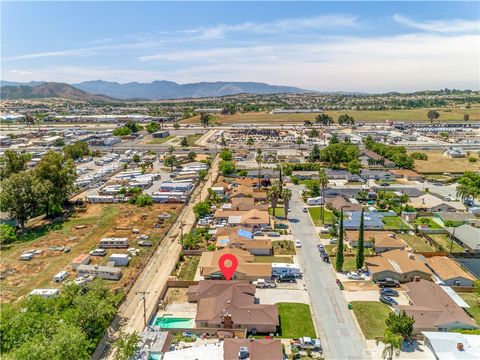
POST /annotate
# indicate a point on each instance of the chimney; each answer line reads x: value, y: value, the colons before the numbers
x: 459, y: 346
x: 411, y: 256
x: 227, y: 321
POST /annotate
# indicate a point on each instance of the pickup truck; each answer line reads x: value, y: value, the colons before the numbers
x: 388, y: 283
x: 261, y: 284
x: 307, y: 343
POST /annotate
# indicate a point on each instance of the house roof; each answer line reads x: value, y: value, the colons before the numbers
x: 339, y: 201
x: 447, y: 269
x: 468, y: 235
x: 397, y: 261
x: 209, y: 263
x: 237, y: 300
x: 444, y: 345
x: 233, y: 236
x: 430, y: 201
x: 455, y: 216
x: 404, y: 172
x: 382, y: 238
x: 433, y: 307
x: 258, y: 349
x: 256, y: 216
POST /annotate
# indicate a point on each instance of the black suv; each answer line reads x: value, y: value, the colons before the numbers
x: 287, y: 278
x: 388, y: 283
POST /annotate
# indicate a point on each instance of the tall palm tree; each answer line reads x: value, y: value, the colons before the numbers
x: 259, y: 160
x: 323, y: 180
x: 273, y: 194
x: 286, y: 196
x: 393, y: 343
x: 465, y: 192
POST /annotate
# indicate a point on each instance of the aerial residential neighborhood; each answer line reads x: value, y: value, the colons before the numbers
x: 240, y: 180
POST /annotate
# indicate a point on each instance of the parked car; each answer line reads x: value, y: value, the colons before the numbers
x: 287, y: 278
x: 384, y: 184
x: 388, y: 300
x: 388, y: 292
x: 298, y: 244
x: 261, y: 283
x: 305, y: 209
x: 145, y: 243
x: 325, y: 258
x: 388, y: 283
x: 321, y: 248
x: 355, y: 276
x: 98, y: 252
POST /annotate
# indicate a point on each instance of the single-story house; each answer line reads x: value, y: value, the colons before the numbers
x: 454, y: 216
x: 431, y: 203
x: 339, y: 202
x: 247, y: 269
x: 381, y: 240
x: 452, y: 345
x: 371, y: 220
x: 433, y: 309
x: 399, y: 265
x: 342, y: 175
x: 468, y: 236
x: 449, y: 272
x: 252, y: 349
x: 407, y: 174
x: 305, y: 175
x: 375, y: 161
x: 242, y: 238
x: 376, y: 175
x: 232, y: 305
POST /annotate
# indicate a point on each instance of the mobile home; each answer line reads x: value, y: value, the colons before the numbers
x: 103, y: 272
x: 62, y: 275
x: 113, y: 243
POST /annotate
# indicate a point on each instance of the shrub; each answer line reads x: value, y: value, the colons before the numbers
x: 472, y: 159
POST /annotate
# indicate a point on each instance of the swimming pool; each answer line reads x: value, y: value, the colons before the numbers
x: 169, y: 322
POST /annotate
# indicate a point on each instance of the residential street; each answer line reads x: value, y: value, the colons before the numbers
x: 339, y: 334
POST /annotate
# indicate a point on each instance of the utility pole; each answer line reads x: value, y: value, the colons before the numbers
x: 143, y: 293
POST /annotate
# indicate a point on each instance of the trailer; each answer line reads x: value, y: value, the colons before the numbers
x: 113, y: 243
x: 280, y: 269
x: 45, y: 293
x: 315, y: 201
x: 119, y: 259
x: 103, y: 272
x: 62, y: 275
x: 83, y: 259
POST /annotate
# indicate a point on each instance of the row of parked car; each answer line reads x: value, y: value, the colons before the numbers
x: 323, y: 254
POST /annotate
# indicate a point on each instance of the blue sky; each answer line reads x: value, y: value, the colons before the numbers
x: 351, y: 46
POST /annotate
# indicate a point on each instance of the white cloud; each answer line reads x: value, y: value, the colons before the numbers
x: 440, y: 26
x: 21, y: 72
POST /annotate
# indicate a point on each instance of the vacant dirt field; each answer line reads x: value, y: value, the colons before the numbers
x: 437, y: 163
x: 413, y: 115
x: 175, y: 296
x: 82, y: 234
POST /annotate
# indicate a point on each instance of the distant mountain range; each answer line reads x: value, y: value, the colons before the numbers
x: 156, y: 90
x: 48, y: 90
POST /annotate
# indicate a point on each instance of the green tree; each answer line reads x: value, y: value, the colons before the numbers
x: 334, y: 139
x: 202, y: 209
x: 58, y: 142
x: 400, y: 324
x: 12, y: 162
x: 323, y: 182
x: 134, y: 127
x: 136, y: 158
x: 152, y: 127
x: 144, y: 200
x: 202, y: 174
x: 346, y: 119
x: 77, y: 150
x: 468, y: 185
x: 8, y: 234
x: 339, y: 257
x: 299, y: 141
x: 192, y: 155
x: 360, y: 256
x: 171, y: 161
x: 392, y: 344
x: 122, y: 131
x: 184, y: 142
x: 314, y: 154
x: 286, y: 197
x: 176, y: 126
x: 307, y: 123
x: 313, y: 133
x: 250, y: 141
x: 259, y: 160
x: 223, y: 142
x: 204, y: 119
x: 433, y: 115
x: 354, y: 166
x: 273, y: 194
x: 126, y: 346
x: 226, y: 155
x: 227, y: 167
x: 23, y: 196
x: 324, y: 119
x: 466, y: 117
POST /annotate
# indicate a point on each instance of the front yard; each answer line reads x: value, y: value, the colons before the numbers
x: 316, y: 212
x: 295, y: 321
x: 349, y: 263
x: 371, y: 316
x: 417, y: 243
x: 283, y: 247
x: 279, y: 211
x: 274, y: 259
x: 395, y: 223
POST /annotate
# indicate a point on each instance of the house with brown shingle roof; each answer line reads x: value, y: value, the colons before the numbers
x: 339, y: 202
x: 256, y: 349
x: 399, y: 265
x: 433, y: 309
x: 449, y: 272
x: 234, y: 237
x: 381, y: 240
x: 247, y: 269
x: 231, y: 305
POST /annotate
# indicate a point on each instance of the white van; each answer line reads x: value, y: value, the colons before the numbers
x: 62, y: 275
x: 98, y: 252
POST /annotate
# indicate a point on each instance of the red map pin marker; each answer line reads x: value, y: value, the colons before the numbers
x: 228, y: 264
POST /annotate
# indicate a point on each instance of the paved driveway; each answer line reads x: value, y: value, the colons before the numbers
x: 273, y: 296
x: 338, y: 332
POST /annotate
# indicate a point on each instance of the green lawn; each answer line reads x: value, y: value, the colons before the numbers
x: 444, y: 241
x: 161, y: 140
x: 417, y: 243
x: 371, y: 316
x: 189, y: 267
x: 474, y: 301
x: 349, y: 263
x: 394, y: 223
x: 279, y: 211
x: 274, y: 259
x: 295, y: 321
x: 331, y: 249
x: 315, y: 213
x: 192, y: 139
x: 431, y: 223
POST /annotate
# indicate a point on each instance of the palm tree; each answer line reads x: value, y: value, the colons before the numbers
x: 465, y: 191
x: 273, y: 194
x: 259, y: 160
x: 323, y: 180
x: 393, y: 343
x: 286, y: 196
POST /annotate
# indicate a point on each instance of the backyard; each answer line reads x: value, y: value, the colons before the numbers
x: 188, y: 267
x: 295, y: 320
x: 432, y: 224
x: 444, y: 241
x: 315, y: 213
x: 417, y: 243
x: 371, y: 316
x: 394, y: 223
x: 473, y: 300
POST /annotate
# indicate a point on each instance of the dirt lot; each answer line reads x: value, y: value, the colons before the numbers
x: 175, y: 296
x: 81, y: 233
x: 412, y: 115
x: 437, y: 163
